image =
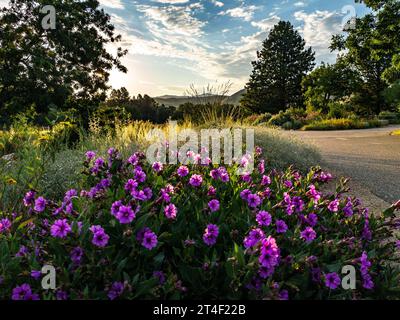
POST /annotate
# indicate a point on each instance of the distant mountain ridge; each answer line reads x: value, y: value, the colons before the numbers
x: 176, y: 101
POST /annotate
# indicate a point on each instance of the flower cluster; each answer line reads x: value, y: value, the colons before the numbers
x: 149, y: 230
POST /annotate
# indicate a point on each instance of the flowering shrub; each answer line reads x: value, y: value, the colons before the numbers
x: 196, y: 231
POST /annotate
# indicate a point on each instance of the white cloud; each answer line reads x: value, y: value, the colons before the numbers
x: 115, y: 4
x: 300, y: 4
x: 266, y: 24
x: 317, y: 30
x: 244, y: 12
x: 217, y: 3
x: 171, y: 1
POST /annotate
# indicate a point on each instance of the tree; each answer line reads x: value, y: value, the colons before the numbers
x: 275, y: 83
x: 329, y: 82
x: 370, y: 48
x: 66, y: 66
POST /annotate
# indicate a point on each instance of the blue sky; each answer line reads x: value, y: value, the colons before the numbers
x: 174, y: 43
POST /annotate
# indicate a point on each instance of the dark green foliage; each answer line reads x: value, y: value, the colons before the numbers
x: 275, y: 83
x: 64, y: 67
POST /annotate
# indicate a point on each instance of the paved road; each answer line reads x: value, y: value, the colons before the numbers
x: 371, y: 157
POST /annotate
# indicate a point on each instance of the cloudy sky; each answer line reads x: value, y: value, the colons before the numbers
x: 174, y: 43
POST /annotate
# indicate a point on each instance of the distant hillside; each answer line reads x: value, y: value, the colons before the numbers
x: 176, y: 101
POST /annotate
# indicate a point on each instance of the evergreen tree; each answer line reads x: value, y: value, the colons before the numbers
x: 275, y: 83
x: 65, y: 67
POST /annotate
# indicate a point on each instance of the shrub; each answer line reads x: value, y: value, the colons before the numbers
x: 292, y: 118
x: 392, y: 117
x: 342, y: 124
x: 152, y: 231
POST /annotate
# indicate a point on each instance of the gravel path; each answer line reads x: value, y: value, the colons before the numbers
x: 370, y: 157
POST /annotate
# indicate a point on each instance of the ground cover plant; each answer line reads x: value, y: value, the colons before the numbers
x: 142, y: 230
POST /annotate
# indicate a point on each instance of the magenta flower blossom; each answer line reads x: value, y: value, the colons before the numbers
x: 116, y: 290
x: 263, y: 219
x: 115, y: 207
x: 5, y: 225
x: 183, y: 171
x: 170, y: 211
x: 332, y: 280
x: 60, y: 228
x: 333, y: 206
x: 261, y: 167
x: 313, y: 193
x: 253, y: 200
x: 211, y: 191
x: 100, y: 238
x: 131, y: 185
x: 265, y: 181
x: 125, y: 214
x: 211, y: 234
x: 270, y: 255
x: 36, y: 274
x: 149, y: 240
x: 245, y: 194
x: 40, y: 204
x: 90, y: 155
x: 160, y: 276
x: 213, y: 205
x: 24, y: 292
x: 140, y: 175
x: 308, y: 234
x: 76, y: 255
x: 196, y: 180
x: 29, y: 198
x: 157, y: 166
x: 254, y: 237
x: 281, y: 226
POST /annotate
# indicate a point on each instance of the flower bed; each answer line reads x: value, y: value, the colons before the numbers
x: 196, y: 231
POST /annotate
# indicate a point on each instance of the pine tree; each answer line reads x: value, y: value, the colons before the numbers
x: 275, y: 83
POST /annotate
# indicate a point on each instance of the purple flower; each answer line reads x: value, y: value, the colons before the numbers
x: 125, y: 214
x: 157, y: 166
x: 100, y: 238
x: 140, y: 175
x: 131, y: 185
x: 134, y: 159
x: 270, y: 254
x: 332, y: 280
x: 60, y: 228
x: 312, y: 219
x: 308, y: 234
x: 5, y: 225
x: 281, y: 226
x: 245, y: 194
x: 36, y: 274
x: 170, y: 211
x: 29, y: 198
x: 263, y: 219
x: 23, y: 292
x: 211, y: 234
x: 265, y: 181
x: 211, y: 191
x: 261, y: 167
x: 253, y: 238
x: 61, y: 295
x: 253, y: 200
x: 115, y: 207
x: 183, y: 171
x: 288, y: 184
x: 213, y: 205
x: 117, y: 288
x: 160, y: 276
x: 313, y: 193
x: 90, y: 155
x: 76, y: 255
x: 284, y: 295
x: 40, y: 204
x: 348, y: 209
x: 196, y: 180
x: 333, y: 206
x: 149, y: 240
